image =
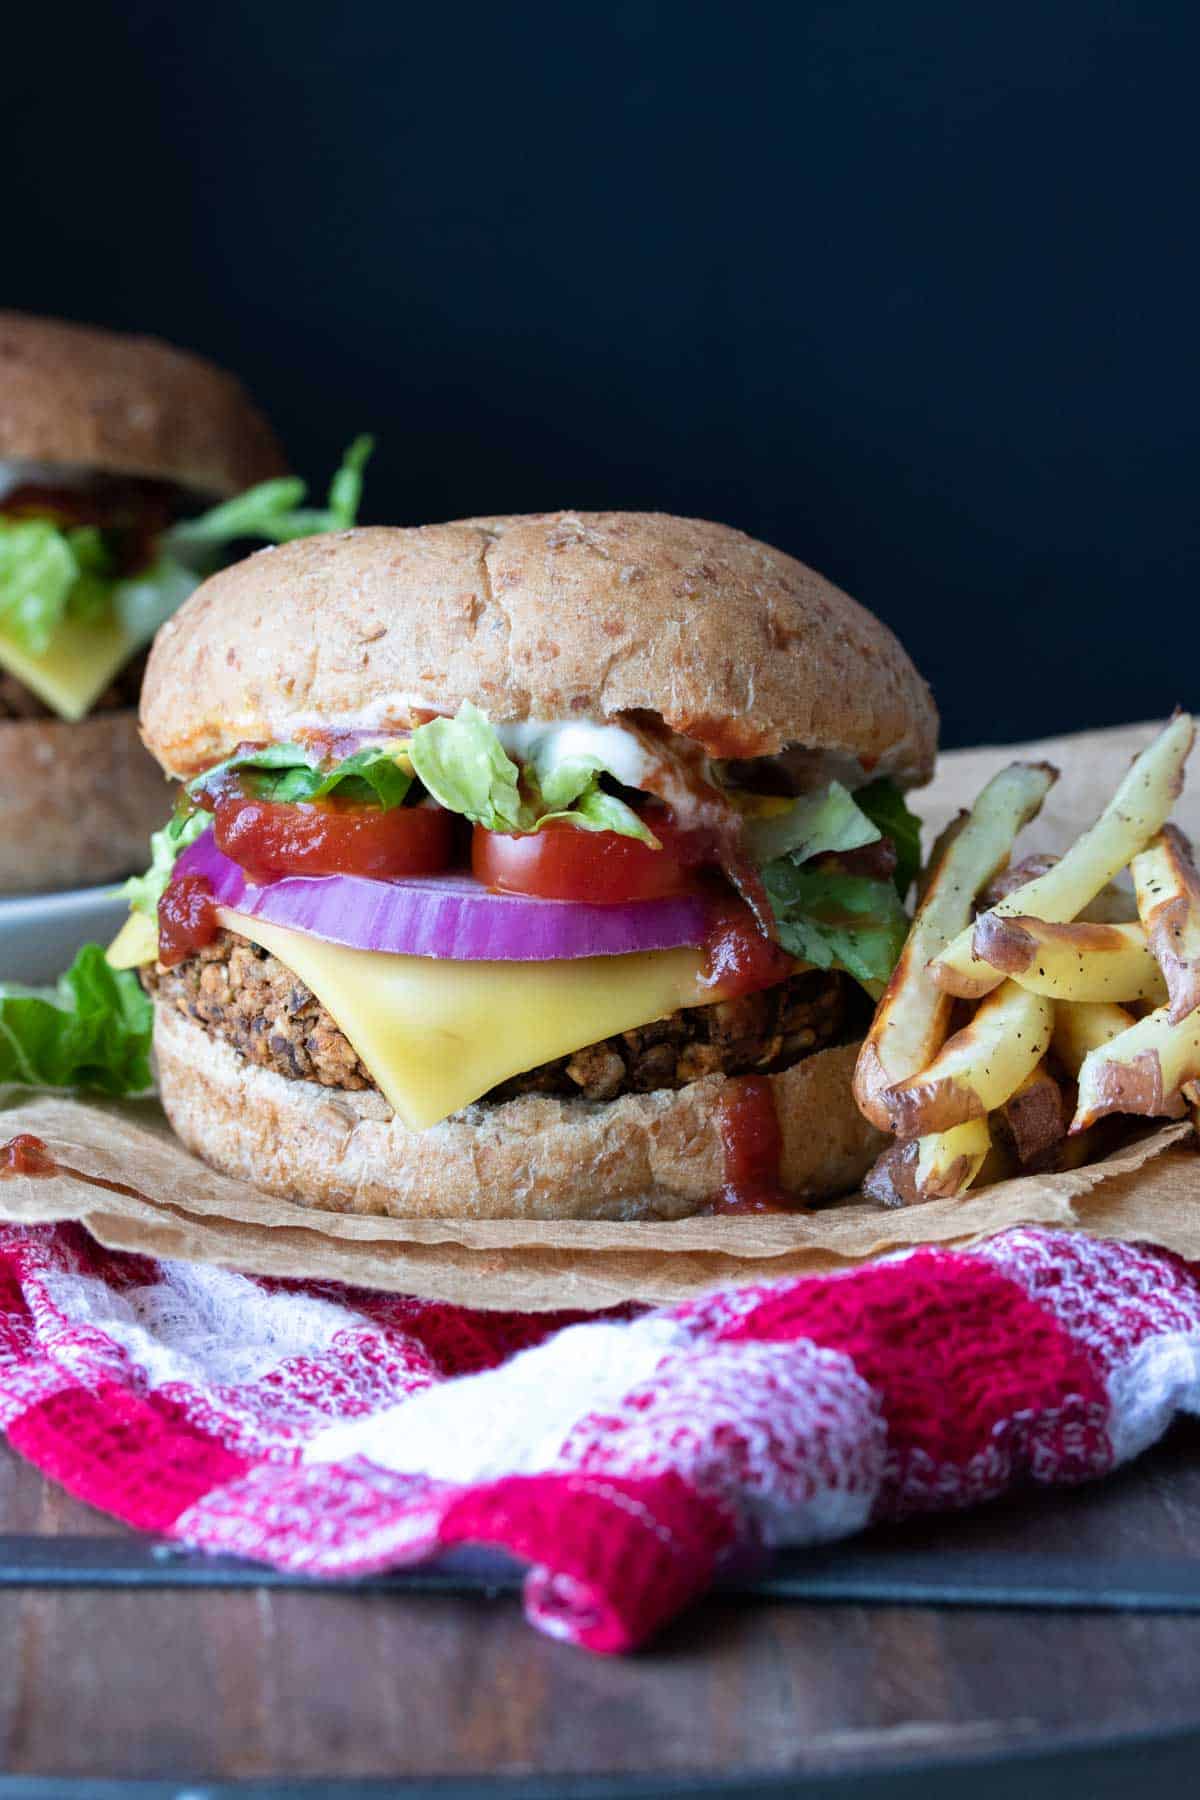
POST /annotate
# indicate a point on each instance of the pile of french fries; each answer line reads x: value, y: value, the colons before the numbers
x: 1079, y: 1014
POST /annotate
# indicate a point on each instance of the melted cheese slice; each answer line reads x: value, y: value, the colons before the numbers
x: 438, y: 1034
x: 73, y: 673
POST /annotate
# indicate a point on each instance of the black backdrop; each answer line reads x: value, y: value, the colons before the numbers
x: 908, y: 288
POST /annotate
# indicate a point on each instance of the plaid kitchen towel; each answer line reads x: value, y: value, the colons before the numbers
x: 335, y: 1432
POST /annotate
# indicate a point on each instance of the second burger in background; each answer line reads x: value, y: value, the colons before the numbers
x: 528, y: 867
x: 110, y: 446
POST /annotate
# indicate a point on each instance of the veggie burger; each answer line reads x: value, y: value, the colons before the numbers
x: 536, y: 867
x: 111, y: 447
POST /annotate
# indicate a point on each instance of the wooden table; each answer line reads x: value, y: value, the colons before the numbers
x: 765, y: 1695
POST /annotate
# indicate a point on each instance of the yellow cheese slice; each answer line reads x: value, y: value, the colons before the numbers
x: 135, y: 943
x: 76, y: 669
x: 437, y: 1034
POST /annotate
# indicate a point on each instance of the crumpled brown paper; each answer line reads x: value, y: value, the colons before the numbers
x: 136, y: 1188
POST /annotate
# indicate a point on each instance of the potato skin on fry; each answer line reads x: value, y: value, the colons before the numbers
x: 913, y: 1017
x: 1135, y: 813
x: 1143, y: 1071
x: 1034, y: 1121
x: 1168, y: 896
x: 892, y: 1179
x: 1073, y: 961
x: 978, y: 1068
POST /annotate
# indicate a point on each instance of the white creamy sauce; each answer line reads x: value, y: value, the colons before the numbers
x: 63, y: 475
x: 621, y: 751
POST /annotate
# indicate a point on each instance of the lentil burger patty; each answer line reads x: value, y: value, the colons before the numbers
x: 255, y: 1003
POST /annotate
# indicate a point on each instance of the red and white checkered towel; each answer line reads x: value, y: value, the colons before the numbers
x: 335, y: 1432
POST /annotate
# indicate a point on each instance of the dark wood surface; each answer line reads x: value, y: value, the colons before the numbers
x: 245, y: 1684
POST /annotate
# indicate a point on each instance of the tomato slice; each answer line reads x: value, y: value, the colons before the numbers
x: 567, y: 862
x: 269, y: 838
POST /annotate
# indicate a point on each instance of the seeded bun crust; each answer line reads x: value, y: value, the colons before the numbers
x: 127, y: 406
x: 643, y: 1156
x: 552, y: 616
x: 78, y: 802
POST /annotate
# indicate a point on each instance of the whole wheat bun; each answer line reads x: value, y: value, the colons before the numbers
x: 77, y: 801
x: 642, y: 1156
x: 123, y: 405
x: 552, y: 616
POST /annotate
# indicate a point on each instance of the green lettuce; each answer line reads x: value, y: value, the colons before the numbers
x: 92, y: 1031
x: 49, y: 573
x: 144, y: 601
x: 286, y: 772
x: 42, y: 568
x: 144, y: 892
x: 831, y: 920
x: 885, y: 806
x: 369, y: 778
x: 570, y: 789
x: 274, y: 510
x: 463, y: 764
x: 829, y: 821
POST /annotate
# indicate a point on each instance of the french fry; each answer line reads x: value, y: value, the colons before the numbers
x: 939, y: 1166
x: 1168, y: 897
x: 1112, y: 905
x: 978, y: 1068
x: 1083, y: 1026
x: 891, y: 1179
x: 1135, y: 813
x: 949, y: 1161
x: 1035, y: 1119
x: 1142, y: 1071
x: 913, y: 1016
x: 1071, y: 962
x: 1017, y: 875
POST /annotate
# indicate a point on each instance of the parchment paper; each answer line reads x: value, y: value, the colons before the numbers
x: 170, y: 1204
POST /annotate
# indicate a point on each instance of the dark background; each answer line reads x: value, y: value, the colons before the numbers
x: 908, y: 288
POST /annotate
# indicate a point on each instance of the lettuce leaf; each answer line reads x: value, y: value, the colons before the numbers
x: 92, y: 1031
x: 274, y: 510
x: 286, y: 772
x: 597, y: 810
x: 39, y: 568
x: 817, y: 824
x: 145, y: 601
x: 463, y: 764
x: 368, y: 778
x: 144, y: 892
x: 849, y: 922
x: 885, y: 806
x: 570, y: 789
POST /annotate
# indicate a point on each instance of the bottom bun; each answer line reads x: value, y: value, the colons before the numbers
x: 77, y: 802
x: 642, y: 1156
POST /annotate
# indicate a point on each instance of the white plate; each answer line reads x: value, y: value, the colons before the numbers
x: 40, y: 933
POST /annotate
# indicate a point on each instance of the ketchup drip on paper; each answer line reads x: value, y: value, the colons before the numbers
x: 26, y: 1155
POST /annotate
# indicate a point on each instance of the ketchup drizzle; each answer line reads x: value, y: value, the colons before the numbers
x: 187, y: 919
x: 26, y: 1155
x: 738, y: 957
x: 753, y: 1148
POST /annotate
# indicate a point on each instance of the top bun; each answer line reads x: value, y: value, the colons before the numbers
x: 127, y: 406
x: 548, y: 616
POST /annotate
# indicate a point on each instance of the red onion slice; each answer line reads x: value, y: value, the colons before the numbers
x: 449, y: 916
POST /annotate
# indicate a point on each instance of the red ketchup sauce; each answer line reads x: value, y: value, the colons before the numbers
x: 26, y: 1155
x: 187, y: 919
x: 753, y: 1147
x: 738, y: 957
